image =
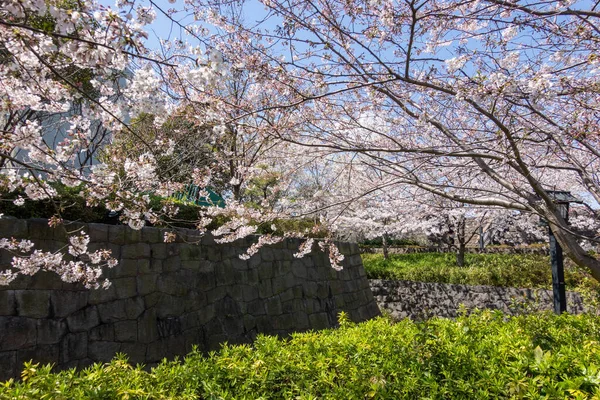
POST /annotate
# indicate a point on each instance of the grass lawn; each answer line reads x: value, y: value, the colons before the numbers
x: 513, y: 270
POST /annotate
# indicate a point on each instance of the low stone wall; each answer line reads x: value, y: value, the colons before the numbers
x: 167, y: 297
x: 421, y: 300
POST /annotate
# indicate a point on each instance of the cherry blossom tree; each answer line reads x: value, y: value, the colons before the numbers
x: 490, y: 103
x: 85, y: 68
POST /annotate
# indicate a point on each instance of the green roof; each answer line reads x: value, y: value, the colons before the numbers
x: 191, y: 194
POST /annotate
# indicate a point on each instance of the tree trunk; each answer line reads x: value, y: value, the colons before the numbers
x: 573, y: 250
x: 386, y: 253
x: 460, y: 255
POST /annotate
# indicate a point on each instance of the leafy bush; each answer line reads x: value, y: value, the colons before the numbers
x: 512, y: 270
x: 482, y: 356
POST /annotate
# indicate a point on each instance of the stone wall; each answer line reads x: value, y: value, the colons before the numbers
x: 167, y: 297
x: 421, y: 300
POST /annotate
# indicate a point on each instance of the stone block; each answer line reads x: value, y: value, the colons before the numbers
x: 205, y: 314
x: 128, y: 267
x: 147, y: 330
x: 38, y: 229
x: 152, y: 235
x: 213, y: 328
x: 266, y: 254
x: 103, y: 350
x: 195, y: 300
x: 98, y: 232
x: 136, y: 352
x: 112, y: 311
x: 116, y: 234
x: 256, y: 307
x: 13, y: 227
x: 74, y: 346
x: 319, y: 321
x: 216, y: 294
x: 44, y: 280
x: 50, y: 331
x: 265, y: 290
x: 190, y: 252
x: 8, y: 364
x: 302, y: 322
x: 135, y: 250
x: 65, y: 303
x: 134, y: 307
x: 189, y: 321
x: 265, y: 271
x: 249, y: 323
x: 97, y: 296
x: 44, y: 354
x: 33, y: 303
x: 146, y: 284
x: 159, y: 251
x: 83, y: 320
x: 104, y: 332
x: 169, y: 306
x: 273, y: 306
x: 173, y: 250
x: 240, y: 276
x: 152, y: 299
x: 17, y: 333
x: 252, y: 277
x: 233, y: 326
x: 205, y: 280
x: 287, y: 295
x: 125, y: 287
x: 285, y: 322
x: 249, y: 293
x: 8, y: 303
x: 126, y: 331
x: 213, y: 254
x: 171, y: 264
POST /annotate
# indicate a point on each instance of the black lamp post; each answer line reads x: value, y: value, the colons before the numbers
x: 562, y: 200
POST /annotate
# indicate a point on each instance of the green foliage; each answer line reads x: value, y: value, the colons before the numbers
x: 486, y: 355
x: 71, y: 206
x: 512, y: 270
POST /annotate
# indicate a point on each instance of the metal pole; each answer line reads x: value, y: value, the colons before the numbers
x: 481, y: 242
x: 558, y: 275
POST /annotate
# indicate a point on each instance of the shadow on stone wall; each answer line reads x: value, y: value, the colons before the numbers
x: 167, y: 297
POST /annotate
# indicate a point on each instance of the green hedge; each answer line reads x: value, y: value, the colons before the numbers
x: 486, y: 355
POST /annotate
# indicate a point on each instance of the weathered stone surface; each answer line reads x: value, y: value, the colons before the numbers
x: 33, y: 303
x: 17, y: 333
x: 135, y: 250
x: 128, y: 267
x: 8, y: 303
x: 146, y: 283
x: 126, y: 287
x: 83, y: 320
x: 147, y: 329
x: 44, y: 354
x: 9, y: 368
x: 112, y: 311
x: 50, y: 331
x: 102, y: 351
x: 126, y: 331
x: 65, y: 302
x: 74, y: 347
